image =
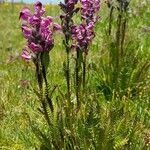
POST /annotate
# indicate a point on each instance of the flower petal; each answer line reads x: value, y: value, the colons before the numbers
x: 25, y: 14
x: 39, y: 10
x: 25, y: 54
x: 56, y: 27
x: 35, y: 47
x: 27, y: 32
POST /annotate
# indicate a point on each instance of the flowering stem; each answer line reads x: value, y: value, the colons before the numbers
x: 78, y: 77
x: 110, y: 19
x: 123, y: 33
x: 118, y: 39
x: 66, y: 30
x: 68, y: 72
x: 120, y: 36
x: 84, y: 71
x: 40, y: 84
x: 46, y: 87
x: 39, y: 77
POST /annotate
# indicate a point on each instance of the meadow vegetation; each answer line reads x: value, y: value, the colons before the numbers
x: 114, y: 109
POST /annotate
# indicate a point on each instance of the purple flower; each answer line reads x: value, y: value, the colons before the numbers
x: 39, y: 10
x: 45, y: 22
x: 68, y: 5
x: 38, y: 30
x: 25, y: 54
x: 82, y: 35
x: 34, y: 20
x: 27, y: 32
x: 89, y: 8
x: 56, y: 27
x: 24, y: 82
x: 25, y: 14
x: 35, y: 47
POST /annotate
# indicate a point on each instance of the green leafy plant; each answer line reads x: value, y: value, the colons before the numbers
x: 123, y: 71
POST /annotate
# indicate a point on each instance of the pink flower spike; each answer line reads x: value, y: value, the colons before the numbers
x: 25, y: 14
x: 25, y: 54
x: 38, y: 30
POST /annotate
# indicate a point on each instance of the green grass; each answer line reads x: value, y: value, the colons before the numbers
x: 102, y: 123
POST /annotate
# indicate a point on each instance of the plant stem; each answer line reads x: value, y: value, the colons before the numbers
x: 68, y: 74
x: 39, y: 77
x: 67, y: 32
x: 46, y: 89
x: 110, y: 20
x: 84, y: 71
x: 40, y: 85
x: 77, y: 77
x: 123, y: 34
x: 118, y: 38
